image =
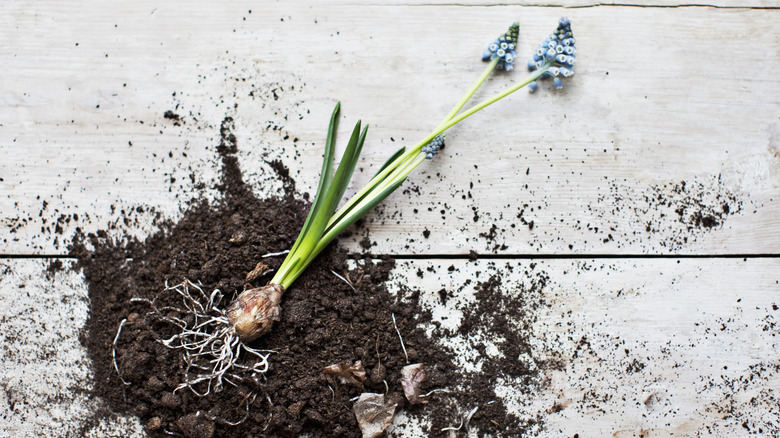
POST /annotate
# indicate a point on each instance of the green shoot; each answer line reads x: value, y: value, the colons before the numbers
x: 329, y: 193
x: 254, y: 310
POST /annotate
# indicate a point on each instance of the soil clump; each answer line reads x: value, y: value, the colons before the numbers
x: 325, y: 320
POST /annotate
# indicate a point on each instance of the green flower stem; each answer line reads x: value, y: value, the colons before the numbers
x: 400, y: 168
x: 407, y: 157
x: 478, y: 83
x: 530, y: 78
x: 394, y: 174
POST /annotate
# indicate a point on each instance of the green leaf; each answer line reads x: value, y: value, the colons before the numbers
x: 347, y: 165
x: 330, y: 201
x: 361, y: 209
x: 357, y: 199
x: 338, y: 228
x: 325, y: 181
x: 395, y: 156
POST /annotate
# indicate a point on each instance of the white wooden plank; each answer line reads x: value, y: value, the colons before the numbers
x: 47, y: 376
x: 649, y: 347
x: 662, y: 96
x: 690, y: 337
x: 575, y: 3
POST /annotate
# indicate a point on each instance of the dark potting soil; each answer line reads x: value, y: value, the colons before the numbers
x: 324, y: 321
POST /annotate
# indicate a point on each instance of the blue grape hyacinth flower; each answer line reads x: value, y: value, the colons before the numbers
x: 555, y: 56
x: 433, y: 147
x: 503, y: 48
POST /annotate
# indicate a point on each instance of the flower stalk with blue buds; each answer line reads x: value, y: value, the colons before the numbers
x: 554, y: 57
x: 253, y: 312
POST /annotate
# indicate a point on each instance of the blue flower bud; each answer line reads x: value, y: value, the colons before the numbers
x: 554, y: 56
x: 503, y: 48
x: 433, y: 147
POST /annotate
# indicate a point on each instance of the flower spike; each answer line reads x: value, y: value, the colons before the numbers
x: 503, y: 48
x: 433, y: 147
x: 555, y: 55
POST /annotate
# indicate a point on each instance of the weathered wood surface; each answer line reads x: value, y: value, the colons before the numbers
x: 662, y: 97
x: 664, y: 94
x: 648, y: 347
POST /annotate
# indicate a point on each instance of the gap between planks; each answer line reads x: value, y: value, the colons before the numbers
x: 569, y: 6
x: 489, y: 256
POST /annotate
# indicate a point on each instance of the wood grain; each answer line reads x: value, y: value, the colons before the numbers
x: 644, y: 346
x: 661, y: 97
x: 666, y: 142
x: 648, y: 347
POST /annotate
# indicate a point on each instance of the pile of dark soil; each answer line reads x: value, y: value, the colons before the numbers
x: 325, y: 321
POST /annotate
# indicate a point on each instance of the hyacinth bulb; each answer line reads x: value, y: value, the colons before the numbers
x: 254, y: 311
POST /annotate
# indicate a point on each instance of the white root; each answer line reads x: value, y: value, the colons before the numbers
x: 113, y: 351
x: 344, y: 280
x: 403, y: 347
x: 210, y: 349
x: 464, y: 422
x: 275, y: 254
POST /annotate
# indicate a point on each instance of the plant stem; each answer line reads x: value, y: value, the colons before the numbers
x: 400, y: 169
x: 407, y: 156
x: 470, y: 92
x: 532, y: 77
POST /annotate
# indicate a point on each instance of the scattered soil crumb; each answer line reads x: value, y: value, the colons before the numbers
x: 54, y: 267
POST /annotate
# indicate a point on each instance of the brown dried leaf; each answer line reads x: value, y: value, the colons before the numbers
x: 374, y: 412
x: 411, y: 378
x: 260, y: 270
x: 346, y: 374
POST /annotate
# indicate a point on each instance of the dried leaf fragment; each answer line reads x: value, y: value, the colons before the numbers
x: 260, y: 270
x: 347, y: 374
x: 411, y: 378
x: 374, y: 412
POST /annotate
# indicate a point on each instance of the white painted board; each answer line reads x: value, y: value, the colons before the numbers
x: 661, y: 97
